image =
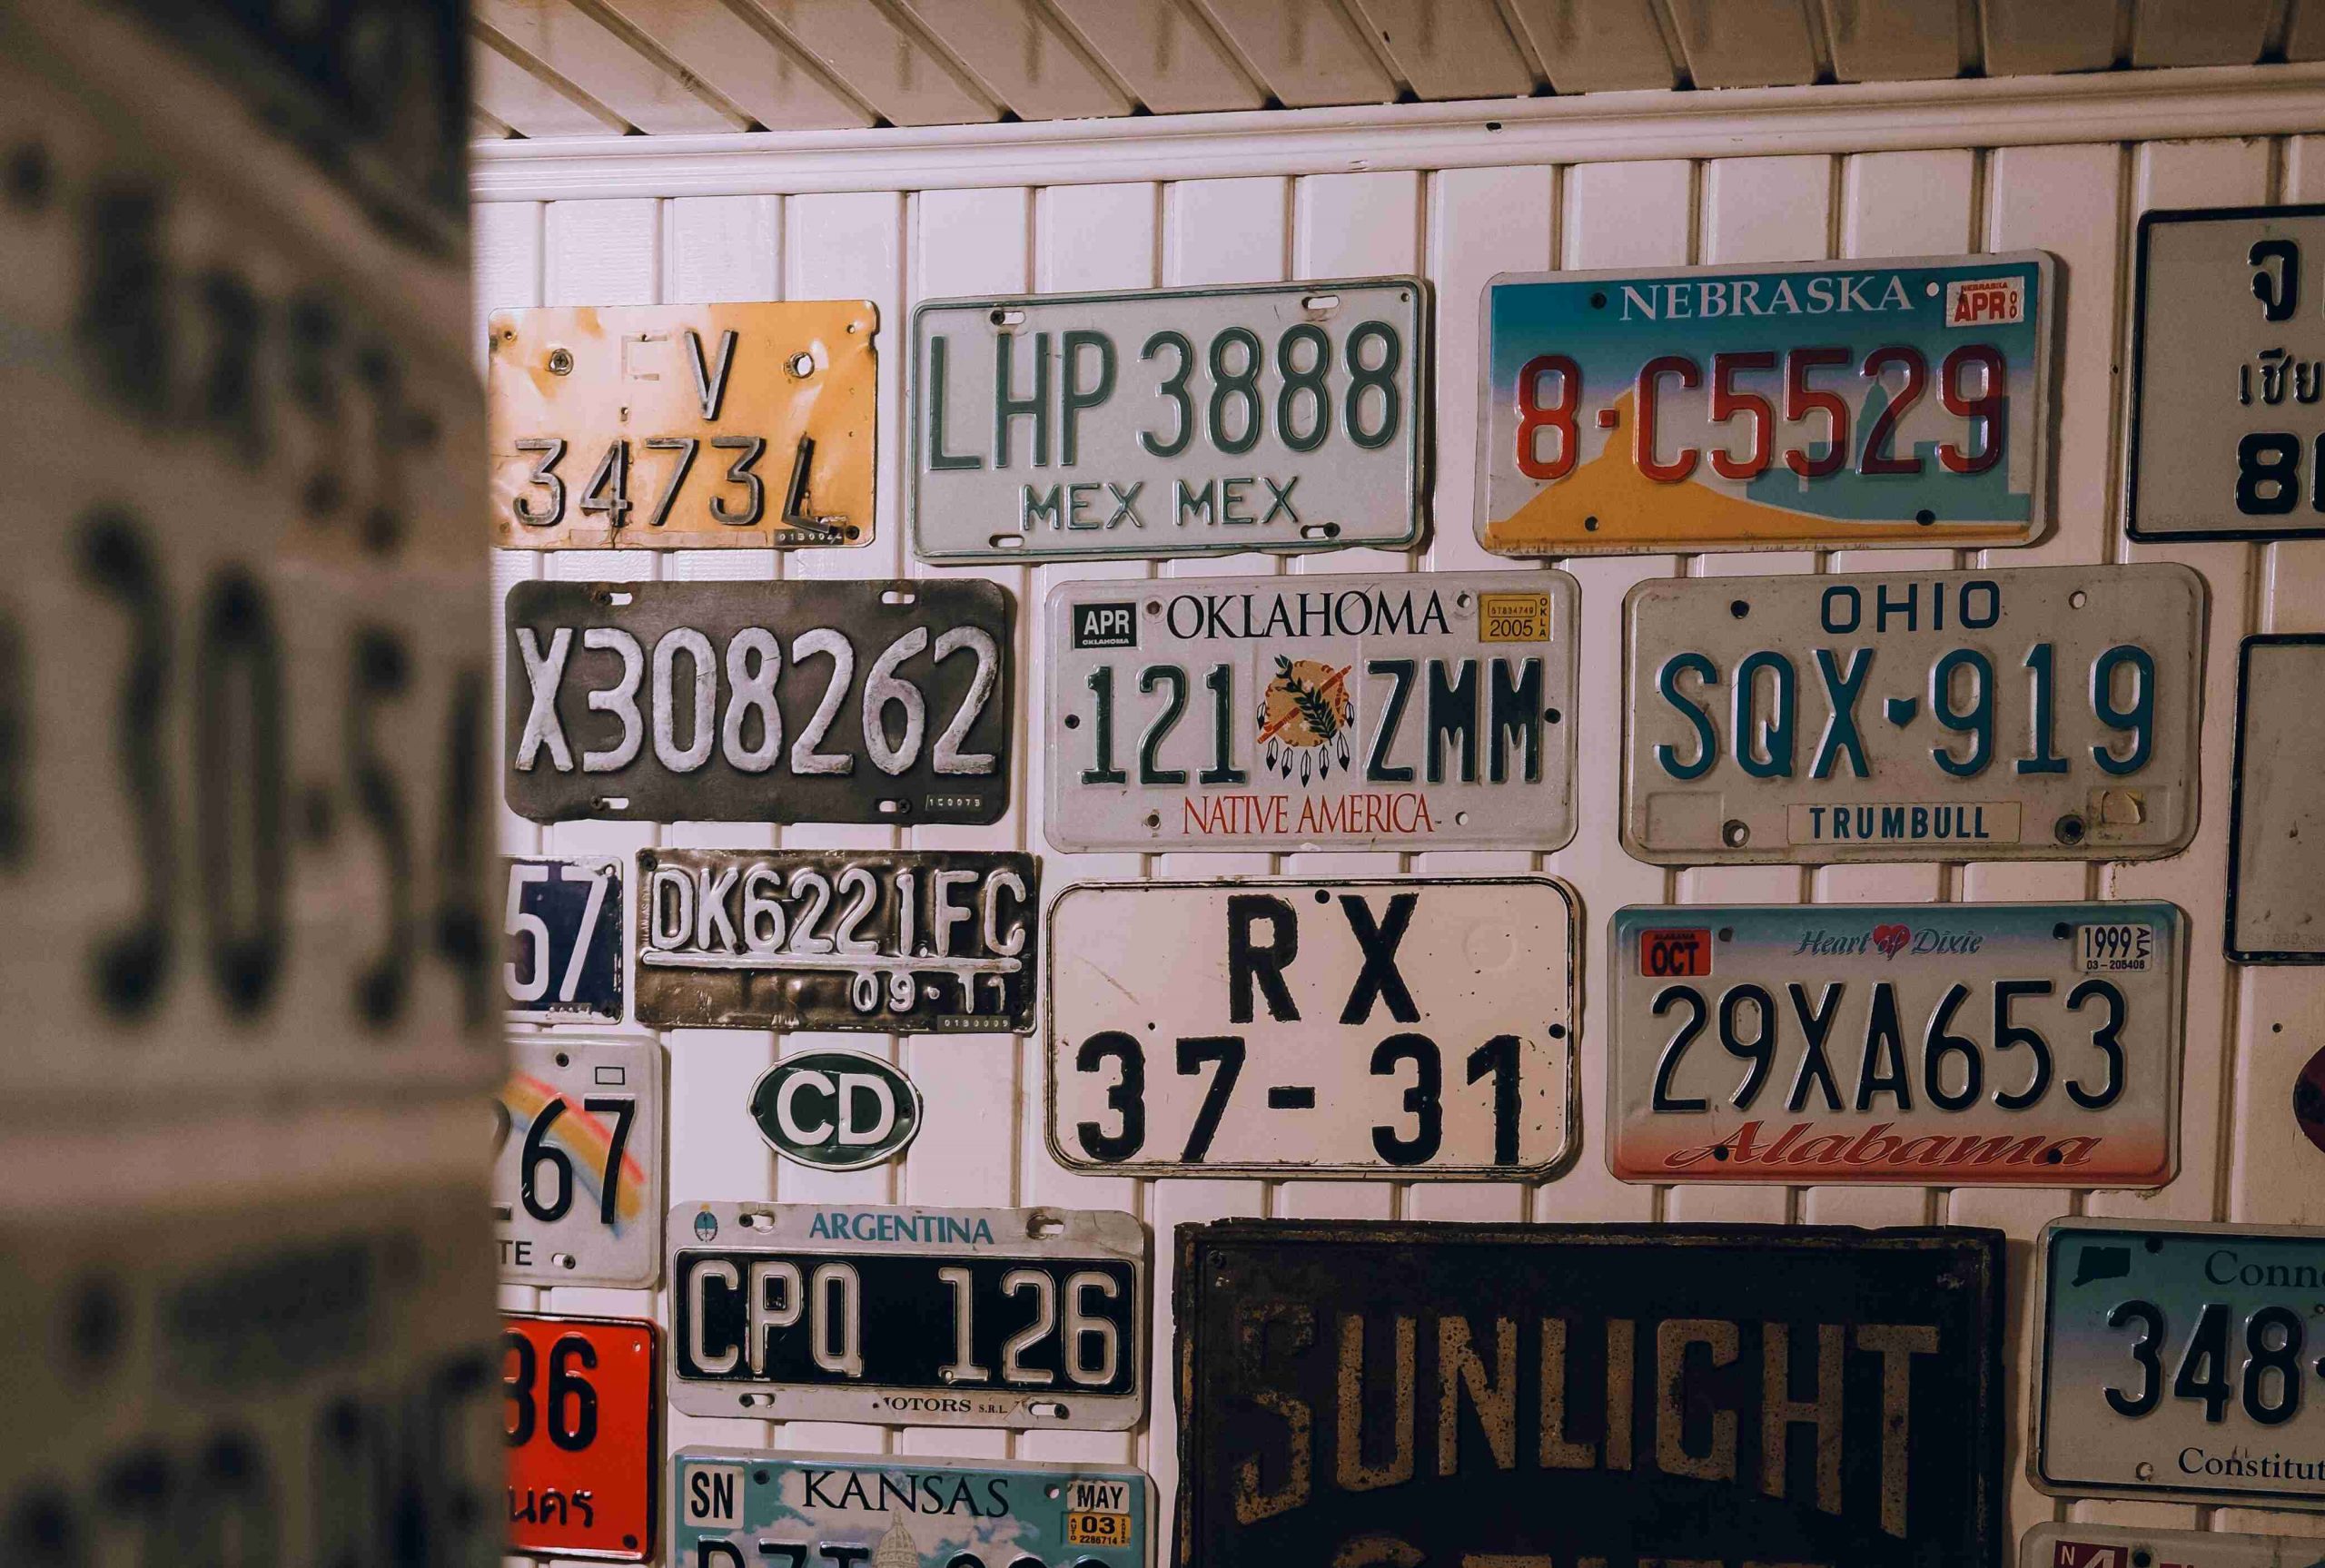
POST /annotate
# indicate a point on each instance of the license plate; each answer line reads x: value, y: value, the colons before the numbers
x: 2037, y: 714
x: 1398, y: 711
x: 891, y: 942
x: 695, y: 427
x: 841, y: 702
x: 577, y: 1165
x: 1928, y: 1044
x: 1381, y: 1393
x: 2123, y: 1546
x: 1019, y: 1317
x: 1818, y: 403
x: 1171, y: 422
x: 2227, y: 377
x: 581, y: 1410
x: 739, y: 1508
x: 2276, y: 876
x: 1392, y: 1028
x: 563, y: 939
x: 2177, y: 1360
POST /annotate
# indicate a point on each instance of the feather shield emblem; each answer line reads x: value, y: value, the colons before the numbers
x: 1305, y: 719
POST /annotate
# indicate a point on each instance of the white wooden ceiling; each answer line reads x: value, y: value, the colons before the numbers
x: 594, y: 67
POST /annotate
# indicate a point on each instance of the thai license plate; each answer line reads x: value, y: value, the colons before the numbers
x: 1932, y: 1044
x: 563, y: 935
x: 1835, y: 403
x: 1019, y: 1317
x: 1392, y: 1028
x: 1369, y: 1392
x: 2228, y: 376
x: 2276, y: 876
x: 843, y: 702
x: 2123, y: 1547
x: 2179, y: 1360
x: 739, y: 1508
x: 581, y: 1412
x: 577, y: 1165
x: 1171, y: 422
x: 2037, y: 714
x: 894, y: 941
x: 1399, y: 711
x: 701, y: 427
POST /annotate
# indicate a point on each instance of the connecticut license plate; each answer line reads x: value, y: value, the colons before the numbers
x: 2036, y: 713
x: 2124, y: 1546
x: 581, y: 1411
x: 577, y: 1168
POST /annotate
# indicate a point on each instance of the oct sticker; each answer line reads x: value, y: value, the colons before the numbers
x: 1674, y: 952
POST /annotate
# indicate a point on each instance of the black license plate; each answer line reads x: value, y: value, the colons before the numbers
x: 562, y: 940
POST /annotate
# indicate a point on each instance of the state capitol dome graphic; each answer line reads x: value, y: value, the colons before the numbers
x: 897, y: 1549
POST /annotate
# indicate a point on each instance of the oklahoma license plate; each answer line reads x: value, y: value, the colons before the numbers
x: 1171, y: 422
x: 577, y: 1167
x: 2124, y: 1546
x: 1836, y: 403
x: 581, y: 1413
x: 1932, y: 1044
x: 2276, y: 873
x: 2046, y: 712
x: 1019, y: 1317
x: 1390, y: 1028
x: 780, y: 702
x: 896, y: 941
x: 563, y: 939
x: 1402, y: 711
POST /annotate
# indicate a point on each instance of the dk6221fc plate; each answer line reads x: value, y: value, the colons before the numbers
x: 577, y: 1170
x: 582, y: 1415
x: 2123, y: 1547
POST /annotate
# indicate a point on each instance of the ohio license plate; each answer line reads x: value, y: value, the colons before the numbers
x: 1019, y: 1317
x: 582, y: 1413
x: 844, y: 702
x: 740, y: 1508
x: 2228, y: 376
x: 563, y: 939
x: 701, y: 427
x: 1383, y: 1393
x: 1171, y: 422
x: 2123, y: 1547
x: 1835, y: 403
x: 1390, y: 1028
x: 2276, y: 876
x: 894, y: 942
x: 1403, y: 711
x: 1933, y: 1044
x: 2036, y: 713
x: 577, y: 1167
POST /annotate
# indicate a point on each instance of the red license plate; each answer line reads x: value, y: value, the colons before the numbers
x: 580, y: 1413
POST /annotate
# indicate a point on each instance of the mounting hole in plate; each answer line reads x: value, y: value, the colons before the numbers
x: 564, y: 1259
x: 1320, y: 531
x: 1591, y: 524
x: 1461, y: 819
x: 2069, y: 829
x: 1739, y: 608
x: 1043, y: 1225
x: 1551, y: 716
x: 563, y: 1060
x: 1557, y: 1031
x: 1048, y: 1410
x: 2077, y: 599
x: 1735, y: 834
x: 1073, y: 721
x: 1006, y: 541
x: 1322, y: 896
x: 898, y: 597
x: 1925, y: 517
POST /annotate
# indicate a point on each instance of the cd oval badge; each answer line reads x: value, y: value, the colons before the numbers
x: 835, y: 1109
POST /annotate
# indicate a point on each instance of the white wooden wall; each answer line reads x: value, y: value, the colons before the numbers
x: 2247, y: 1031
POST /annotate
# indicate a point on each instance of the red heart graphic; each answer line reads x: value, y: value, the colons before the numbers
x: 1890, y: 938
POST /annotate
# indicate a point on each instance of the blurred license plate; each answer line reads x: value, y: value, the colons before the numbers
x: 2127, y: 1546
x: 581, y: 1410
x: 577, y: 1169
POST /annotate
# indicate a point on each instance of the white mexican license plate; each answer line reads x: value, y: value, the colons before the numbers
x: 2033, y: 713
x: 2125, y: 1546
x: 1171, y: 422
x: 1312, y: 1027
x: 576, y: 1172
x: 1401, y: 711
x: 1929, y: 1044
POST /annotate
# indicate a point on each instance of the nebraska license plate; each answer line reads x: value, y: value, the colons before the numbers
x: 581, y: 1413
x: 2045, y: 713
x: 577, y: 1167
x: 563, y: 941
x: 1394, y: 1028
x: 1842, y: 404
x: 1399, y: 711
x: 2126, y: 1546
x: 1932, y: 1044
x: 1018, y: 1317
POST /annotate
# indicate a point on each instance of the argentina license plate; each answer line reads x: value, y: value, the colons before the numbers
x: 576, y: 1162
x: 1402, y: 711
x: 1757, y: 407
x: 2129, y: 1546
x: 2034, y: 713
x: 1931, y: 1044
x: 1171, y: 422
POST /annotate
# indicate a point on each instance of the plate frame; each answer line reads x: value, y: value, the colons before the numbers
x: 2236, y: 799
x: 657, y: 1445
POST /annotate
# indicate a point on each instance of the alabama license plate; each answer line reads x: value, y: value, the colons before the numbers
x: 1844, y: 404
x: 563, y: 941
x: 2276, y: 871
x: 1402, y: 711
x: 701, y: 427
x: 1932, y: 1044
x: 1018, y: 1317
x: 2125, y: 1546
x: 2042, y: 713
x: 1392, y: 1028
x: 779, y: 702
x: 581, y: 1413
x: 740, y: 1508
x: 1171, y: 422
x: 577, y: 1168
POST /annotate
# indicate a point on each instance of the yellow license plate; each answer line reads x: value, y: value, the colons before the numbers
x: 1084, y: 1529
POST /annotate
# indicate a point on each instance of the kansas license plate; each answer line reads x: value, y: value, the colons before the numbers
x: 1402, y: 711
x: 701, y: 427
x: 894, y: 942
x: 1019, y: 1317
x: 2124, y: 1546
x: 1379, y: 1393
x: 1840, y: 404
x: 1171, y: 422
x: 2038, y: 714
x: 1933, y: 1044
x: 2276, y: 873
x: 780, y: 702
x: 739, y: 1508
x: 563, y: 939
x: 581, y: 1413
x: 577, y: 1165
x: 1390, y: 1028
